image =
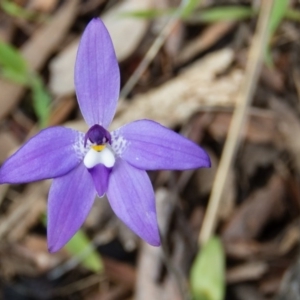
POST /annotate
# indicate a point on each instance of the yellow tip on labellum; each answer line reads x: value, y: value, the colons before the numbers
x: 98, y: 148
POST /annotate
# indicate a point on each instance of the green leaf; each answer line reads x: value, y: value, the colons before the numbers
x: 184, y: 11
x: 147, y: 13
x: 10, y: 58
x: 207, y: 277
x: 41, y: 100
x: 278, y: 12
x: 226, y: 13
x: 77, y: 247
x: 189, y: 6
x: 12, y: 65
x: 14, y: 68
x: 14, y: 76
x: 15, y: 10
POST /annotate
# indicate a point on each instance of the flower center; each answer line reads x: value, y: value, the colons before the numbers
x: 98, y: 136
x: 100, y: 151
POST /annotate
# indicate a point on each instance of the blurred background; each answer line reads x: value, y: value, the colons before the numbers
x: 224, y: 73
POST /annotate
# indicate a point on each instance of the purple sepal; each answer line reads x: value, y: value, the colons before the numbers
x: 97, y: 75
x: 100, y: 175
x: 151, y: 146
x: 49, y: 154
x: 131, y: 197
x: 70, y: 200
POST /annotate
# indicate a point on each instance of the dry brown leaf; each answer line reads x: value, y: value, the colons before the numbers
x: 25, y: 212
x: 242, y: 249
x: 280, y: 246
x: 146, y: 287
x: 289, y: 127
x: 120, y: 272
x: 37, y: 50
x: 150, y: 260
x: 207, y: 38
x: 290, y: 239
x: 245, y: 272
x: 49, y: 37
x: 261, y: 127
x: 247, y: 292
x: 270, y: 284
x: 99, y: 214
x: 118, y: 292
x: 35, y: 249
x: 62, y: 110
x: 43, y: 5
x: 29, y: 258
x: 174, y: 40
x: 272, y: 78
x: 256, y: 211
x: 126, y: 32
x: 8, y: 143
x: 175, y: 101
x: 290, y: 285
x: 62, y: 71
x: 171, y: 290
x: 205, y: 179
x: 6, y: 27
x: 129, y: 240
x: 256, y: 156
x: 79, y: 125
x: 3, y: 190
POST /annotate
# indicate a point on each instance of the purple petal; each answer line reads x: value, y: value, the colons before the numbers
x: 51, y: 153
x: 97, y: 75
x: 70, y: 200
x: 131, y: 196
x: 100, y: 175
x: 148, y: 145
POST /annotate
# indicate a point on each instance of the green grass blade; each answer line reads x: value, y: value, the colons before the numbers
x: 10, y: 58
x: 226, y: 13
x: 78, y: 246
x: 147, y: 14
x: 15, y: 10
x: 14, y: 68
x: 41, y: 101
x: 12, y: 65
x: 207, y: 277
x: 14, y: 76
x: 278, y: 12
x: 189, y: 6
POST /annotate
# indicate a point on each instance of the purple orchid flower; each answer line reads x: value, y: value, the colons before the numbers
x: 99, y: 162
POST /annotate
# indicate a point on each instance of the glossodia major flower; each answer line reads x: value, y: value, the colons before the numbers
x: 98, y: 162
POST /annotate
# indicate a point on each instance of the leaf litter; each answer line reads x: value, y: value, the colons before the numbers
x: 190, y: 86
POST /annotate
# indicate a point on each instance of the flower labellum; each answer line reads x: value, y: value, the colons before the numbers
x: 98, y: 162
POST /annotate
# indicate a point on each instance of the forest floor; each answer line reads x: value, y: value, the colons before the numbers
x: 198, y: 77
